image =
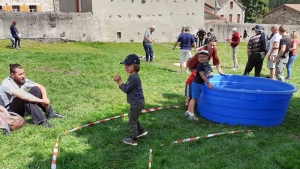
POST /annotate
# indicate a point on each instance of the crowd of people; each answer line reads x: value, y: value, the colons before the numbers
x: 25, y: 97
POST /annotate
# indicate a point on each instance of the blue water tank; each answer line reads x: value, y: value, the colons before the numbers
x: 245, y: 100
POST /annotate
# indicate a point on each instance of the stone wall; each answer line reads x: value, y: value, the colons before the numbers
x: 129, y: 19
x: 223, y: 30
x: 71, y: 26
x: 283, y: 16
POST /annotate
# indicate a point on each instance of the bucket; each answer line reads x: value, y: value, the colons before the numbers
x: 245, y: 100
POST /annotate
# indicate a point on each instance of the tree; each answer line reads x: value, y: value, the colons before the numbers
x: 255, y: 9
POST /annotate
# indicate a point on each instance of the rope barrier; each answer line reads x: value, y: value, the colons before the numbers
x: 193, y: 139
x: 55, y: 150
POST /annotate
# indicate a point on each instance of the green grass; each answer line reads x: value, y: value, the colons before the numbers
x: 79, y: 81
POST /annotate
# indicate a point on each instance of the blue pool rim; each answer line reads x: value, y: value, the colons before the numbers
x: 238, y: 115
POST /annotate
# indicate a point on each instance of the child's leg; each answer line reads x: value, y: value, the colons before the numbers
x: 134, y: 124
x: 191, y: 107
x: 187, y: 100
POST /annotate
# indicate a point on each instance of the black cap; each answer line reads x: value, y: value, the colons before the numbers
x: 258, y: 28
x: 131, y: 59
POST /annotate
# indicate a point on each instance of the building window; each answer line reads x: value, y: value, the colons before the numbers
x: 0, y: 7
x: 230, y: 18
x: 32, y: 8
x: 231, y: 5
x: 222, y: 16
x: 238, y: 18
x: 78, y: 5
x: 119, y: 34
x: 16, y: 8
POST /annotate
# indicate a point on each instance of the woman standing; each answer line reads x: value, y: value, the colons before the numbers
x: 293, y: 54
x: 14, y: 32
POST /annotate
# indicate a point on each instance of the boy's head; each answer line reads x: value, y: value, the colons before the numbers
x: 134, y: 60
x: 202, y: 56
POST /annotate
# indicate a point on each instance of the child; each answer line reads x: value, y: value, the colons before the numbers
x: 188, y: 86
x: 203, y: 70
x: 135, y: 97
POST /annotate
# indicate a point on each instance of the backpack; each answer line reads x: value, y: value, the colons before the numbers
x: 264, y: 47
x: 14, y: 123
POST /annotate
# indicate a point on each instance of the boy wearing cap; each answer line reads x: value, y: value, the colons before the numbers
x: 135, y: 97
x: 203, y: 71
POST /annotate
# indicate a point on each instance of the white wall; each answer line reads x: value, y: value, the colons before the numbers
x: 112, y: 16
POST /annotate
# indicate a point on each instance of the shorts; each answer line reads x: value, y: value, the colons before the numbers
x: 188, y: 90
x: 185, y: 55
x: 271, y: 63
x: 196, y: 90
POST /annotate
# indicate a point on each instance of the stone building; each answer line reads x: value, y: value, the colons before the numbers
x: 29, y: 5
x: 107, y: 20
x: 127, y: 20
x: 287, y: 14
x: 231, y: 10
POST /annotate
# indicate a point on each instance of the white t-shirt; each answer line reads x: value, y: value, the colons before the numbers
x: 276, y: 38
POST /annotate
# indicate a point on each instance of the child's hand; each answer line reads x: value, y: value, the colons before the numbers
x: 210, y: 85
x: 117, y: 78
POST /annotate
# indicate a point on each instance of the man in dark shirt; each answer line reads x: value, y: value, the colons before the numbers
x: 200, y: 34
x: 255, y: 55
x: 283, y: 55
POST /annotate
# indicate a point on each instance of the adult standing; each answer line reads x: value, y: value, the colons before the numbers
x: 211, y: 31
x: 293, y: 54
x: 14, y: 32
x: 17, y: 100
x: 147, y: 43
x: 208, y: 36
x: 255, y: 55
x: 200, y: 34
x: 234, y: 42
x: 283, y: 55
x: 273, y: 50
x: 187, y: 41
x: 245, y: 35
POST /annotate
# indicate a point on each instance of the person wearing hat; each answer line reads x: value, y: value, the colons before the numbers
x: 135, y: 97
x: 255, y: 54
x: 283, y: 55
x: 234, y: 42
x: 202, y: 76
x: 187, y: 41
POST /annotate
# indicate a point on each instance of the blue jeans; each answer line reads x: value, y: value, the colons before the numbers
x: 148, y: 50
x: 289, y: 65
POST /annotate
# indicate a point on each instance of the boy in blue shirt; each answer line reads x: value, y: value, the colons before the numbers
x: 135, y: 97
x: 203, y: 71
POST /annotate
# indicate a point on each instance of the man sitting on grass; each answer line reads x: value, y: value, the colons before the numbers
x: 15, y: 98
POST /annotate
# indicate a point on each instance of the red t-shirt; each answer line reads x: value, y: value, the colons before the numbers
x: 297, y: 42
x: 235, y: 39
x: 191, y: 77
x: 192, y: 64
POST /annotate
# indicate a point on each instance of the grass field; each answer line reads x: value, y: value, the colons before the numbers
x: 79, y: 81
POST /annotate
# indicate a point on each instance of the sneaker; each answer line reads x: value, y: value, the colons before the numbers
x: 193, y: 118
x: 186, y: 114
x: 233, y: 69
x: 56, y: 115
x: 142, y: 133
x: 46, y: 124
x: 187, y: 71
x: 287, y: 78
x: 130, y: 141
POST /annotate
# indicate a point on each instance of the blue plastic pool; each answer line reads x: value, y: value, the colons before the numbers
x: 245, y: 100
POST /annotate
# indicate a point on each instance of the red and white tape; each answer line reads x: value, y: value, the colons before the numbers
x: 193, y: 139
x: 55, y: 150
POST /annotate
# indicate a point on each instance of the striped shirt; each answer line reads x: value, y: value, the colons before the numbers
x: 254, y: 44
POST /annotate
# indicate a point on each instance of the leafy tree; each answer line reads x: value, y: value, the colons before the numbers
x: 255, y: 9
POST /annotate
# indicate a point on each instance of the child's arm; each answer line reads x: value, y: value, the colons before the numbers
x: 118, y: 79
x: 210, y: 85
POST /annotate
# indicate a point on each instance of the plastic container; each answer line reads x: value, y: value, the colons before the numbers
x: 245, y: 100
